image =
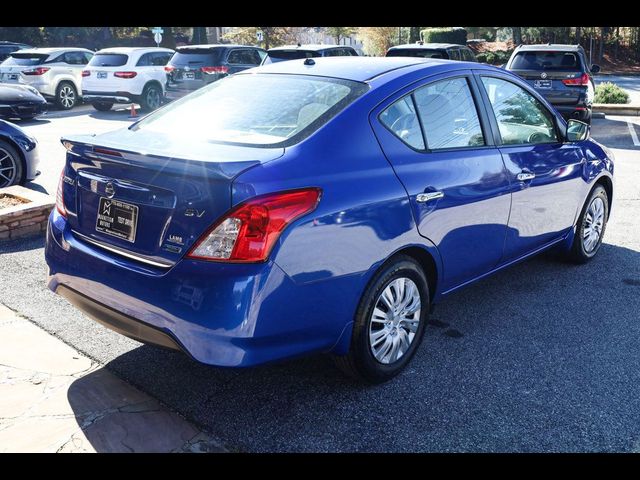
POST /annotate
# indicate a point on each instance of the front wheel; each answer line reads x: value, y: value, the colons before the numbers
x: 11, y: 172
x: 151, y: 97
x: 591, y: 226
x: 389, y: 324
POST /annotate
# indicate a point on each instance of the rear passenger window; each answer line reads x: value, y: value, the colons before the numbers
x: 454, y: 54
x: 401, y: 119
x: 448, y: 115
x: 160, y: 59
x: 75, y: 58
x: 244, y: 57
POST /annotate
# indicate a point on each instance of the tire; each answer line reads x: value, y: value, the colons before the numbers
x: 151, y: 97
x: 361, y: 362
x: 66, y: 96
x: 597, y: 205
x: 102, y: 106
x: 11, y: 167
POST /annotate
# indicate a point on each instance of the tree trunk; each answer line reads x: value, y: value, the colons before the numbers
x: 517, y: 35
x: 168, y: 40
x: 603, y: 31
x: 615, y: 52
x: 578, y: 35
x: 414, y: 34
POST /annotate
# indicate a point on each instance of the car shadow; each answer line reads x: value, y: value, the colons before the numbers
x: 37, y: 187
x: 535, y: 327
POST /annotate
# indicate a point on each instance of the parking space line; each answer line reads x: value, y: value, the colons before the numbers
x: 632, y: 132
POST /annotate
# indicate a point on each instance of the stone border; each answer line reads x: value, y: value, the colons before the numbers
x: 25, y: 219
x: 616, y: 109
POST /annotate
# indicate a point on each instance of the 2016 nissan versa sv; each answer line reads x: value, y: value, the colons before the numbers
x: 320, y: 205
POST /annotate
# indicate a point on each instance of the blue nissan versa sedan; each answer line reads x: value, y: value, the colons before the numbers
x: 320, y: 205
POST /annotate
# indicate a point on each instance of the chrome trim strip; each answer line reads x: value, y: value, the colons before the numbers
x: 124, y: 253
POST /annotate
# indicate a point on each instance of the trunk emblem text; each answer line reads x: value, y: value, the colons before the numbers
x: 193, y: 212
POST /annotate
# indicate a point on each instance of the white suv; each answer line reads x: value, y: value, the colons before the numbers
x: 126, y: 75
x: 55, y: 72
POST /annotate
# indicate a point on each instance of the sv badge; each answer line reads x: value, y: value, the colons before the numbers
x: 193, y: 212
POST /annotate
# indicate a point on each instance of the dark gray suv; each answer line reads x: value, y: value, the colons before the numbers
x: 449, y: 51
x: 195, y: 66
x: 560, y: 73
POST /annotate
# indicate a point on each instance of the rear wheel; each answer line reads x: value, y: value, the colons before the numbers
x: 151, y: 97
x: 102, y: 106
x: 389, y: 324
x: 11, y: 171
x: 591, y: 226
x: 66, y: 96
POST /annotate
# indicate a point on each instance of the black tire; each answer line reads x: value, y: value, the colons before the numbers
x: 10, y: 156
x: 578, y: 252
x: 66, y: 96
x: 102, y: 106
x: 360, y: 362
x: 151, y: 97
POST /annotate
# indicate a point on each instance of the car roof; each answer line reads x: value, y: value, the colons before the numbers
x: 551, y: 47
x: 309, y: 47
x: 50, y: 50
x: 215, y: 45
x: 418, y: 46
x: 128, y: 50
x: 359, y: 69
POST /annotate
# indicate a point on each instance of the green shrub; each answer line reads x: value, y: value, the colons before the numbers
x: 444, y: 35
x: 608, y: 92
x: 491, y: 58
x: 481, y: 57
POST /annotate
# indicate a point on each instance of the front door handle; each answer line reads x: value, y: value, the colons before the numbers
x: 426, y: 197
x: 524, y: 176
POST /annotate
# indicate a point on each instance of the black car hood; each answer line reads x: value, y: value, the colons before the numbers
x: 18, y: 93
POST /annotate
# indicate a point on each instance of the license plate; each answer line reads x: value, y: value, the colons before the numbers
x: 117, y: 219
x: 542, y: 83
x: 102, y: 75
x: 189, y: 75
x: 12, y: 76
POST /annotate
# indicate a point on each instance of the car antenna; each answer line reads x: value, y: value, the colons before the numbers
x: 309, y: 61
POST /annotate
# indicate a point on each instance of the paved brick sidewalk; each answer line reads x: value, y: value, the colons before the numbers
x: 53, y: 399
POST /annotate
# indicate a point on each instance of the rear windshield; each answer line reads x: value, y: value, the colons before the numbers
x: 108, y: 60
x: 195, y: 56
x: 567, y: 61
x: 25, y: 59
x: 417, y: 52
x: 282, y: 55
x: 256, y: 110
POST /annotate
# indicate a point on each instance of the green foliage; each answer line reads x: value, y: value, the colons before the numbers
x: 444, y: 35
x: 609, y: 92
x: 338, y: 33
x: 498, y: 57
x: 481, y: 57
x: 29, y: 35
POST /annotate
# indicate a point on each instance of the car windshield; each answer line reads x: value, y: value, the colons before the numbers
x: 546, y: 60
x: 258, y: 110
x: 416, y: 52
x: 25, y: 59
x: 108, y: 60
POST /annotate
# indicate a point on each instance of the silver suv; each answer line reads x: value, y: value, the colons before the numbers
x: 55, y: 72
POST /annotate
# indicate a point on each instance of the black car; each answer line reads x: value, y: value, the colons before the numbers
x: 20, y: 101
x: 6, y: 48
x: 448, y: 51
x: 293, y: 52
x: 560, y: 73
x: 195, y: 66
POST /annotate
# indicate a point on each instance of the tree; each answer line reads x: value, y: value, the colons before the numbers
x: 338, y: 33
x: 272, y: 36
x: 414, y: 34
x: 28, y: 35
x: 517, y: 35
x: 199, y: 35
x: 377, y: 40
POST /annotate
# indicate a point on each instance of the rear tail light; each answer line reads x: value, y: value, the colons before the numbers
x: 249, y: 231
x: 125, y: 74
x: 212, y: 70
x: 86, y: 73
x: 36, y: 71
x: 169, y: 68
x: 60, y: 196
x: 582, y: 80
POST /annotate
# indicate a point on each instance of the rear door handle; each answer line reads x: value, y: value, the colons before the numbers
x: 524, y: 176
x: 427, y: 197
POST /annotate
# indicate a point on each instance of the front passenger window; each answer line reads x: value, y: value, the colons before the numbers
x: 521, y: 118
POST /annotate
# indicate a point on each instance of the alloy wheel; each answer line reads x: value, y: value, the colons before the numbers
x: 153, y: 98
x: 593, y: 225
x: 67, y: 96
x: 8, y: 168
x: 395, y: 320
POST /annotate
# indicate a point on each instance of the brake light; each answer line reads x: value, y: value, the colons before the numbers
x: 60, y: 196
x: 249, y: 231
x: 36, y: 71
x: 212, y: 70
x: 169, y: 68
x: 582, y: 80
x: 125, y: 74
x: 86, y: 73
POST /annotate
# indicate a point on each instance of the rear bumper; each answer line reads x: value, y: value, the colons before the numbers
x: 231, y: 315
x: 109, y: 97
x: 579, y: 112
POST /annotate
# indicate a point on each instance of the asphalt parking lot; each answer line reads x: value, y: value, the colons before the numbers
x: 541, y: 357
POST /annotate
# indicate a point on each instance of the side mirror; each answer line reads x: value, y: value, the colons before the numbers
x: 577, y: 131
x: 595, y: 68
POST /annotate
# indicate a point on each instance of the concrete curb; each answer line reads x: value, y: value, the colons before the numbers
x: 615, y: 109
